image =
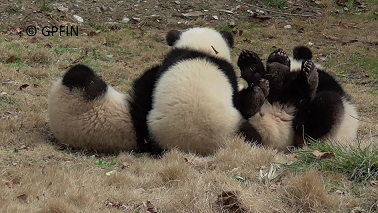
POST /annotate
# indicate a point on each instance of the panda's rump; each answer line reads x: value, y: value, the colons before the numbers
x: 346, y: 128
x: 192, y: 106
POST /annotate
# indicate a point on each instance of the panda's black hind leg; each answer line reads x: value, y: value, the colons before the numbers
x: 252, y: 98
x: 317, y: 117
x: 277, y: 69
x: 251, y: 66
x: 83, y: 77
x: 310, y: 77
x: 250, y: 133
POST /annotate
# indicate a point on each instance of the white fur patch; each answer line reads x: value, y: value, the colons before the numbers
x: 274, y: 123
x: 205, y: 40
x: 346, y: 130
x: 103, y: 124
x: 192, y: 108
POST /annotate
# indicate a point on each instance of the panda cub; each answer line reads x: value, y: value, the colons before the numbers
x: 193, y: 104
x: 86, y: 113
x: 303, y: 101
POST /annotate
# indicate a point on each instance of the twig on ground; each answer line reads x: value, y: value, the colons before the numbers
x: 372, y: 122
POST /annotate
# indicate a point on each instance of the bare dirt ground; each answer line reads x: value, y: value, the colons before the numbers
x: 120, y: 39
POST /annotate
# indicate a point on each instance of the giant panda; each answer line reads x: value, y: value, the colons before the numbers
x: 193, y: 104
x: 304, y: 100
x: 86, y: 113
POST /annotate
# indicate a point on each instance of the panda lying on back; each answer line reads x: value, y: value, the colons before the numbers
x: 304, y: 100
x: 193, y: 104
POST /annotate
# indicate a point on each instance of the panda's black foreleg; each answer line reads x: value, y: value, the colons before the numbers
x: 156, y: 150
x: 250, y: 99
x: 249, y: 132
x: 140, y: 104
x: 317, y: 116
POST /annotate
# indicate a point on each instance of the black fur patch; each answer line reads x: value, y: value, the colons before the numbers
x: 228, y: 37
x: 302, y: 53
x: 296, y: 88
x: 140, y: 105
x: 317, y: 117
x: 250, y: 133
x: 277, y: 72
x: 250, y: 99
x: 83, y: 77
x: 172, y: 37
x: 329, y: 83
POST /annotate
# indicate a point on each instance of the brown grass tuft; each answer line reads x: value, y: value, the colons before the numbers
x: 56, y: 206
x: 306, y: 192
x: 40, y: 56
x: 36, y: 72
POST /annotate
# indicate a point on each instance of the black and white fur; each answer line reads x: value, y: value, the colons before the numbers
x: 304, y: 100
x: 86, y: 113
x: 193, y: 101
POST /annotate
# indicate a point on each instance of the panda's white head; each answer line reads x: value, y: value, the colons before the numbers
x: 205, y: 40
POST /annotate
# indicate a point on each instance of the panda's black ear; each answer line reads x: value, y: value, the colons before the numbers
x: 302, y: 53
x: 228, y: 37
x: 78, y: 76
x: 172, y: 37
x: 83, y: 77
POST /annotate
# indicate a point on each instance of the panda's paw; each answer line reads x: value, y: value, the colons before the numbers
x: 250, y: 65
x: 248, y: 59
x: 308, y: 67
x: 277, y: 67
x: 264, y: 85
x: 279, y: 56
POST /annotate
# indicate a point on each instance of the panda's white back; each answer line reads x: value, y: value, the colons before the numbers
x: 193, y: 108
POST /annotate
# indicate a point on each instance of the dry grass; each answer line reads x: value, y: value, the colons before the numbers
x: 56, y: 180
